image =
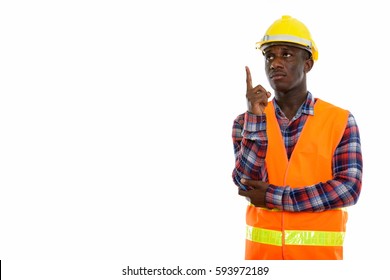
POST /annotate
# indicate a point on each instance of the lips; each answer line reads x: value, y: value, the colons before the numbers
x: 277, y: 75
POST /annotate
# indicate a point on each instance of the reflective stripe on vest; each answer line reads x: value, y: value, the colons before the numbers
x: 314, y: 238
x: 266, y: 236
x: 295, y: 237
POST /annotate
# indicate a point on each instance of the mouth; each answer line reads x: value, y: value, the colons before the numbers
x: 277, y: 75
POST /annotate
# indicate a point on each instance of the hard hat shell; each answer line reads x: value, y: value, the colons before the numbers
x: 289, y: 30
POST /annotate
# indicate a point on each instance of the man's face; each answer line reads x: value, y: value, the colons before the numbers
x: 286, y: 67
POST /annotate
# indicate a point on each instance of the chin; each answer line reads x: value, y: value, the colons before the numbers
x: 279, y: 88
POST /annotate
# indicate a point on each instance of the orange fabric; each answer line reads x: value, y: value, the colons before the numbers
x: 269, y: 252
x: 259, y: 217
x: 313, y: 253
x: 310, y: 163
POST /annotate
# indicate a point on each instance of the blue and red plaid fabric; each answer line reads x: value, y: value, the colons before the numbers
x: 250, y: 147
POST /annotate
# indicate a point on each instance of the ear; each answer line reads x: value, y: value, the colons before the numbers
x: 308, y: 65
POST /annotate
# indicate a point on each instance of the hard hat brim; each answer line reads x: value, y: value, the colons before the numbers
x: 263, y: 47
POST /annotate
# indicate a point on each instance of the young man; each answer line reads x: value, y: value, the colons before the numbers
x: 298, y: 158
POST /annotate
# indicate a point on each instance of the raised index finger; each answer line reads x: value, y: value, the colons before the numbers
x: 248, y: 78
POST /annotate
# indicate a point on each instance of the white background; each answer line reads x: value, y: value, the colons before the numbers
x: 116, y: 116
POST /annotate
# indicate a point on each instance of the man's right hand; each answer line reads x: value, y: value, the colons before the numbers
x: 257, y: 97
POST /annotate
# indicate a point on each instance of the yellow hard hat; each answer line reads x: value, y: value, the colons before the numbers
x: 289, y: 30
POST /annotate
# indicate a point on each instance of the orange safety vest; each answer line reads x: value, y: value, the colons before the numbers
x: 274, y: 234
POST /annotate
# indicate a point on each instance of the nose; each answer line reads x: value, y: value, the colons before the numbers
x: 276, y: 63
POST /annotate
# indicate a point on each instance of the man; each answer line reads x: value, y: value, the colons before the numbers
x: 298, y: 158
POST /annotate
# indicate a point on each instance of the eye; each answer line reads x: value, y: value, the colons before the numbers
x: 269, y: 57
x: 287, y: 54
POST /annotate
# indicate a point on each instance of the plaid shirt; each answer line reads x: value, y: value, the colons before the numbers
x: 250, y: 147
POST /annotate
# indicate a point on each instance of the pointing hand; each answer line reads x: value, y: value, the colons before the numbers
x: 257, y: 97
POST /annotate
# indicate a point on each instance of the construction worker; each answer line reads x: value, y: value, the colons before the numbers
x: 298, y: 158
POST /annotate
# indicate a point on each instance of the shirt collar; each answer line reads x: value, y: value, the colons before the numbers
x: 308, y: 105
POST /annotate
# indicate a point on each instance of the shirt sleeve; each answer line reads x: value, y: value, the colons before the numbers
x: 250, y: 146
x: 341, y: 191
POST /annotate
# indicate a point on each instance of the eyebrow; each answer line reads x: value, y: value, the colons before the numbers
x: 284, y: 48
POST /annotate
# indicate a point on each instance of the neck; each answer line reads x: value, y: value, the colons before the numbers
x: 290, y: 102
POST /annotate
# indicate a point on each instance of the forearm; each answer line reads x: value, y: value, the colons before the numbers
x: 335, y: 193
x: 250, y: 145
